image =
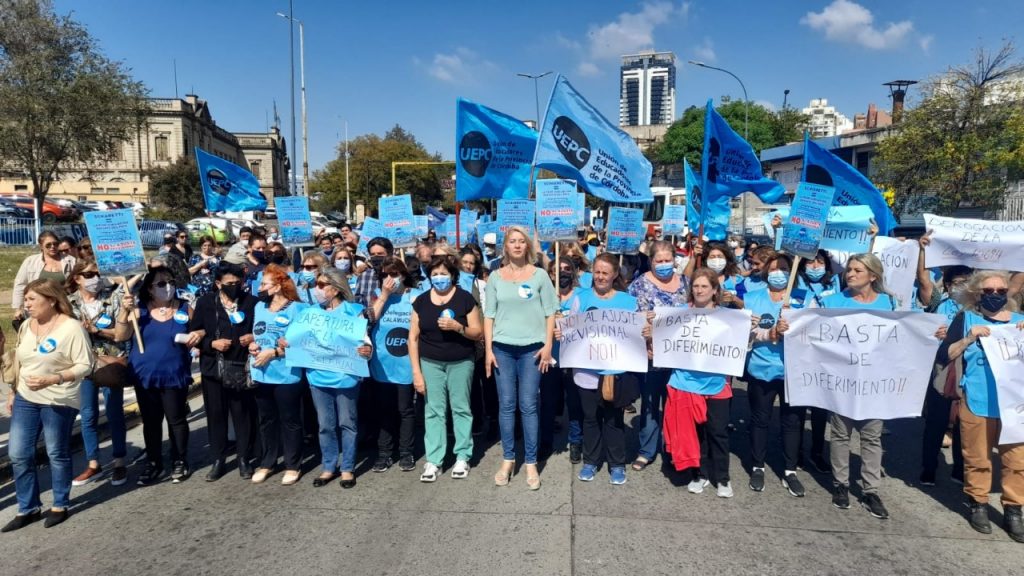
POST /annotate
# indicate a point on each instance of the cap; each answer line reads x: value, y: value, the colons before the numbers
x: 236, y: 254
x: 490, y: 238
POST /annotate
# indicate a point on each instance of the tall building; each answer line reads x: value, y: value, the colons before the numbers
x: 825, y: 120
x: 647, y: 89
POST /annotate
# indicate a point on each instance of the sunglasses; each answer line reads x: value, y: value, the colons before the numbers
x: 182, y: 236
x: 999, y: 291
x: 89, y: 274
x: 89, y: 248
x: 164, y: 283
x: 310, y: 267
x: 50, y: 245
x: 322, y: 284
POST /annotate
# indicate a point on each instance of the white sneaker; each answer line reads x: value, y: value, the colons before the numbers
x: 725, y: 490
x: 429, y: 473
x: 461, y: 469
x: 696, y: 486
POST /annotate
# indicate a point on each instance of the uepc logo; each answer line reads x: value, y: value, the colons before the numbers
x: 475, y: 153
x: 572, y: 142
x: 397, y: 342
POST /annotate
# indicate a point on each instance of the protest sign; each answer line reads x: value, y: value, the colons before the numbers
x: 514, y: 212
x: 397, y: 217
x: 294, y: 221
x: 116, y: 242
x: 1004, y: 350
x: 323, y: 340
x: 558, y: 210
x: 673, y: 222
x: 863, y: 364
x: 625, y: 230
x: 581, y: 206
x: 702, y: 339
x: 848, y: 229
x: 372, y: 228
x: 982, y: 244
x: 802, y: 232
x: 899, y: 264
x: 603, y: 340
x: 598, y: 224
x: 422, y: 225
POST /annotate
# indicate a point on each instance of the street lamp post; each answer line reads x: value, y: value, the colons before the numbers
x: 536, y: 91
x: 746, y: 128
x: 302, y: 82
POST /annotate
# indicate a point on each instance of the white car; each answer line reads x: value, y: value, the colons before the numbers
x: 321, y: 226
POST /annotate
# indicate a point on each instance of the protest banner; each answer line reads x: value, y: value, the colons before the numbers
x: 803, y: 230
x: 323, y: 340
x: 422, y: 224
x: 981, y: 244
x: 603, y: 340
x: 294, y: 220
x: 514, y: 212
x: 848, y: 229
x: 899, y: 263
x: 372, y: 228
x: 673, y: 221
x: 116, y: 242
x: 1004, y: 350
x: 702, y: 339
x: 625, y: 230
x: 398, y: 219
x: 863, y: 364
x: 598, y: 224
x: 558, y: 210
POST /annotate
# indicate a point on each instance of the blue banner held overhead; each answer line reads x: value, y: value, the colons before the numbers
x: 116, y: 242
x: 397, y: 217
x: 515, y: 213
x: 625, y: 230
x: 730, y: 166
x: 494, y: 153
x: 558, y: 210
x: 294, y: 220
x: 852, y: 188
x: 577, y: 142
x: 435, y: 217
x: 802, y: 232
x: 673, y: 222
x: 227, y: 187
x: 714, y: 216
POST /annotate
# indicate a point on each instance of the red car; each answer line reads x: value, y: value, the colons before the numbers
x: 49, y: 211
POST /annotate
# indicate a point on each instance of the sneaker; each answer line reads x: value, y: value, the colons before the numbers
x: 792, y: 483
x: 119, y: 477
x: 382, y: 464
x: 873, y: 504
x: 429, y: 473
x: 757, y: 479
x: 407, y: 463
x: 151, y: 475
x: 696, y: 486
x: 927, y: 478
x: 461, y: 469
x: 979, y: 518
x: 179, y: 472
x: 587, y: 473
x: 841, y: 497
x: 88, y: 475
x: 725, y: 490
x: 618, y: 475
x: 630, y: 409
x: 575, y: 453
x: 140, y: 457
x: 1013, y: 522
x: 821, y: 464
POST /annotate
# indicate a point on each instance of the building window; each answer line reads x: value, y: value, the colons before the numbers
x: 254, y: 167
x: 113, y: 190
x: 96, y: 190
x: 21, y: 187
x: 160, y: 147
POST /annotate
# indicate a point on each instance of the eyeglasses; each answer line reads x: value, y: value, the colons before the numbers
x: 182, y: 236
x: 991, y: 291
x: 310, y: 267
x: 164, y: 283
x: 50, y: 245
x: 81, y: 248
x: 322, y: 284
x: 89, y: 274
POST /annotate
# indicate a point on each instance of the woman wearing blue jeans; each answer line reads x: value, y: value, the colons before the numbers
x: 519, y: 319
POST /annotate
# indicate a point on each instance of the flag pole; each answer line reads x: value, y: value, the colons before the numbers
x: 458, y: 224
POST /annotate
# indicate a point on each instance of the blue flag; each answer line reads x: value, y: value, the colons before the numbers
x: 716, y: 219
x: 852, y: 187
x: 435, y: 217
x: 577, y: 142
x: 729, y: 165
x: 227, y: 187
x: 494, y: 153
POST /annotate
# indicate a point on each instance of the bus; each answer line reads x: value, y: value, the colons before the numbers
x: 653, y: 211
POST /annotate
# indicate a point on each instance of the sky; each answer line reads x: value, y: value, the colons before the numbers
x: 377, y: 64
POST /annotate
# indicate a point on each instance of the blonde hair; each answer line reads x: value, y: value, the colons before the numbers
x: 874, y: 266
x: 53, y: 292
x: 531, y: 253
x: 972, y: 294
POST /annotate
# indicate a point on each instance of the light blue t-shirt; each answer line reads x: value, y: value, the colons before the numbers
x: 390, y: 334
x: 845, y: 299
x: 766, y: 360
x: 586, y: 280
x: 696, y: 382
x: 328, y: 378
x: 815, y: 291
x: 267, y: 327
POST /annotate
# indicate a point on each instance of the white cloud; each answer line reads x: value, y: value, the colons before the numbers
x: 705, y: 52
x: 846, y: 21
x: 462, y: 66
x: 588, y: 69
x: 925, y: 42
x: 766, y: 104
x: 629, y: 33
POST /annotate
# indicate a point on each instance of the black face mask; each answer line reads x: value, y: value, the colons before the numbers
x: 265, y: 297
x: 276, y: 258
x: 260, y: 257
x: 595, y: 242
x: 376, y: 262
x: 232, y: 291
x: 993, y: 302
x: 564, y: 279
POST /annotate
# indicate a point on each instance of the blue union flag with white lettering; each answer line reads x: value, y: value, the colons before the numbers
x: 577, y: 142
x: 493, y: 153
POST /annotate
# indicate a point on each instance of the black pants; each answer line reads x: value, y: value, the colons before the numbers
x: 155, y: 404
x: 714, y: 442
x: 483, y: 397
x: 553, y: 385
x: 395, y: 416
x: 604, y: 432
x: 819, y: 419
x: 936, y: 424
x: 280, y: 424
x: 241, y: 406
x: 762, y: 401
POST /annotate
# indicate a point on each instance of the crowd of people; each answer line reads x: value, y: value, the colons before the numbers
x: 470, y: 332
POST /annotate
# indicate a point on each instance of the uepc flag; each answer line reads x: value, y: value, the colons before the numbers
x: 714, y: 216
x: 577, y: 142
x: 494, y: 153
x: 227, y: 187
x: 729, y: 165
x: 852, y: 187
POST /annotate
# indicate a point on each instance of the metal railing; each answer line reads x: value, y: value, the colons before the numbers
x: 22, y: 231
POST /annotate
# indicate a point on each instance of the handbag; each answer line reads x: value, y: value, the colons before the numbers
x: 233, y: 374
x: 11, y: 366
x: 110, y: 371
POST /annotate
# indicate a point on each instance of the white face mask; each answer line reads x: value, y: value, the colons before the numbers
x: 321, y: 296
x: 343, y: 264
x: 717, y: 264
x: 91, y: 285
x: 733, y: 244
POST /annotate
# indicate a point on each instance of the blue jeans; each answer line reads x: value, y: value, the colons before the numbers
x: 27, y: 419
x: 652, y: 393
x: 518, y: 377
x: 114, y: 399
x: 336, y: 412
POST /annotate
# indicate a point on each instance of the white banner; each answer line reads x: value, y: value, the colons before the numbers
x: 984, y: 244
x: 899, y: 266
x: 863, y: 364
x: 1004, y: 350
x: 603, y: 340
x: 707, y: 340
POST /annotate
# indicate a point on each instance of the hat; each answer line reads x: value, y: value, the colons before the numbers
x: 236, y: 254
x: 490, y: 238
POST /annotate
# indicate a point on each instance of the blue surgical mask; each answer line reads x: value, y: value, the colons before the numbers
x: 343, y: 264
x: 664, y: 270
x: 815, y: 274
x: 307, y: 276
x: 441, y: 283
x: 778, y: 279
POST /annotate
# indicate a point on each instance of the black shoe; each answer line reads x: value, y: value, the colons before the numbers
x: 151, y: 475
x: 382, y: 464
x: 757, y: 480
x: 217, y: 470
x: 349, y: 483
x: 927, y: 478
x: 575, y: 453
x: 245, y: 470
x: 20, y: 522
x: 979, y: 517
x: 179, y: 472
x: 630, y: 409
x: 841, y: 497
x: 821, y: 464
x: 407, y: 463
x: 321, y: 481
x: 873, y: 504
x: 792, y: 483
x: 55, y: 517
x: 1013, y: 522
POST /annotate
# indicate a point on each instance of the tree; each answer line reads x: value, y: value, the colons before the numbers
x: 964, y: 140
x: 175, y: 192
x: 370, y: 172
x: 63, y: 104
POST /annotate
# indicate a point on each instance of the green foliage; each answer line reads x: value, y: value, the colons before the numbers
x: 963, y: 141
x: 175, y: 192
x: 63, y: 104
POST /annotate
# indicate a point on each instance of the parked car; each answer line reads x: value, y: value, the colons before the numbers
x: 153, y: 231
x: 319, y: 226
x: 199, y: 227
x: 270, y: 213
x: 50, y: 212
